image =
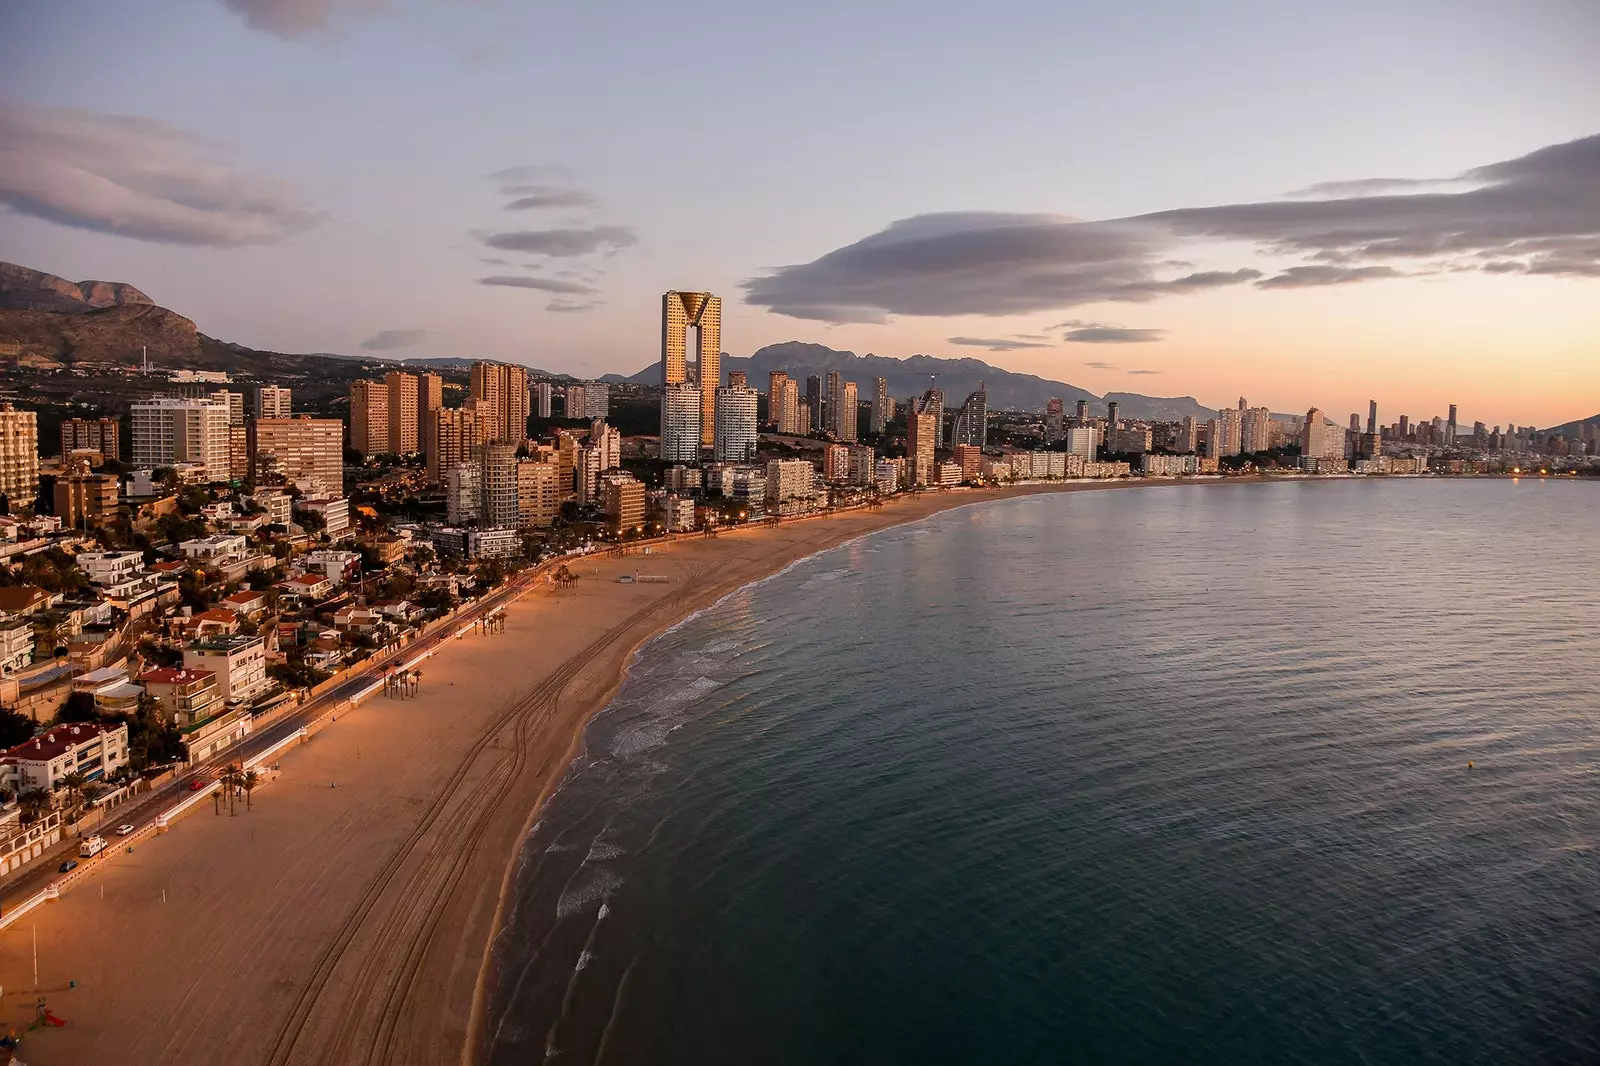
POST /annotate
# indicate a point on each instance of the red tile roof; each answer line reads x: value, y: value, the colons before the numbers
x: 169, y: 675
x: 58, y: 739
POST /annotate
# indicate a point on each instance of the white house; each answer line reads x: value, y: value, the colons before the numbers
x: 91, y: 749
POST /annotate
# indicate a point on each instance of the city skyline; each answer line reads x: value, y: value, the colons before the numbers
x: 1210, y: 263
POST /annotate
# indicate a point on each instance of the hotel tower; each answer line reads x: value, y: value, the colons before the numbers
x: 703, y: 311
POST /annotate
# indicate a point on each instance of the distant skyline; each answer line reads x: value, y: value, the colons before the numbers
x: 1308, y: 206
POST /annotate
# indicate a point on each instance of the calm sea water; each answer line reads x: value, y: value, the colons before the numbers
x: 1152, y: 776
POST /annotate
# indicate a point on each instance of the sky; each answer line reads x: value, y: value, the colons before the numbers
x: 1300, y: 204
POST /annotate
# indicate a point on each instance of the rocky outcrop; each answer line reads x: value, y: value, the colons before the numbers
x: 24, y: 289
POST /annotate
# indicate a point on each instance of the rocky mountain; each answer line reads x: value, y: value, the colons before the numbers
x: 1008, y: 390
x: 1575, y: 427
x: 24, y: 289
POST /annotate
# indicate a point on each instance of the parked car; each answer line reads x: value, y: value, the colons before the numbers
x: 124, y: 829
x: 69, y: 866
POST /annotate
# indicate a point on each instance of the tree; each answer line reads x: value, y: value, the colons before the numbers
x: 33, y: 802
x: 248, y: 781
x: 78, y: 708
x: 73, y: 783
x: 230, y: 779
x: 15, y: 727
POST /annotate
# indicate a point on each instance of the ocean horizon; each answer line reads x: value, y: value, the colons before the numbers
x: 1273, y: 773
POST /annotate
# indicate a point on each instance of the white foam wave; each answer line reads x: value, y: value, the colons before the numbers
x: 591, y: 886
x: 583, y: 960
x: 599, y: 852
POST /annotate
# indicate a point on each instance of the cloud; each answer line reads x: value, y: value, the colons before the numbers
x: 994, y: 344
x: 1145, y: 372
x: 1536, y: 214
x: 531, y: 197
x: 296, y: 19
x: 1031, y: 336
x: 555, y: 285
x: 564, y: 243
x: 572, y: 305
x: 493, y: 261
x: 1305, y: 277
x: 1113, y: 335
x: 1101, y: 366
x: 137, y: 178
x: 390, y: 339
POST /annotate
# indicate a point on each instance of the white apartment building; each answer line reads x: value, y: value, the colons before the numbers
x: 272, y: 402
x: 110, y: 568
x: 789, y: 479
x: 240, y: 663
x: 1082, y: 440
x: 461, y: 497
x: 19, y: 454
x: 680, y: 423
x: 677, y: 512
x: 91, y: 749
x: 734, y: 436
x: 169, y: 431
x: 218, y: 548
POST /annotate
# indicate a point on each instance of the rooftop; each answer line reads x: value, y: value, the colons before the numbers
x: 174, y: 675
x: 230, y: 643
x: 59, y: 739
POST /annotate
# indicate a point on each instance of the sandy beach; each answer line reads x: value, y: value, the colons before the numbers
x: 344, y: 917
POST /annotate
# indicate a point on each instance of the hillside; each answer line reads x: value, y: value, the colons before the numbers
x: 1573, y: 428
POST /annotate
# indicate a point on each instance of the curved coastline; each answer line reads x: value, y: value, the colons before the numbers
x: 890, y: 517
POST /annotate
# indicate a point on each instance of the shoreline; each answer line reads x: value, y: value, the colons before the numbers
x: 362, y: 928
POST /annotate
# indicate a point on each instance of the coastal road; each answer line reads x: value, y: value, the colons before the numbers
x: 143, y: 810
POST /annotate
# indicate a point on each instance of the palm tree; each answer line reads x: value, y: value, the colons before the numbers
x: 229, y: 779
x: 73, y: 783
x: 248, y: 781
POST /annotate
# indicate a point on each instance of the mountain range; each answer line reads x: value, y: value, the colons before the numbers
x: 1007, y: 389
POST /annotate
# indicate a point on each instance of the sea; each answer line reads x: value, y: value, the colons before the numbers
x: 1302, y: 772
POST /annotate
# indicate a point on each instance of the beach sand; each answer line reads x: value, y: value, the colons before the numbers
x: 349, y: 924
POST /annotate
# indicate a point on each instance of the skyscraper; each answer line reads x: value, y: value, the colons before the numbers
x: 1113, y: 418
x: 369, y: 417
x: 1255, y: 430
x: 430, y: 397
x: 933, y: 404
x: 455, y: 431
x: 1450, y: 426
x: 308, y: 452
x: 1082, y: 414
x: 835, y: 403
x: 403, y: 422
x: 703, y: 311
x: 775, y: 382
x: 738, y: 379
x: 502, y: 394
x: 734, y: 436
x: 849, y: 417
x: 1372, y: 416
x: 1318, y: 440
x: 972, y: 423
x: 1054, y: 419
x: 680, y: 423
x: 814, y: 403
x: 19, y: 455
x: 1225, y: 436
x: 792, y: 416
x: 497, y: 484
x: 542, y: 394
x: 272, y: 402
x: 882, y: 412
x: 921, y: 429
x: 1188, y: 441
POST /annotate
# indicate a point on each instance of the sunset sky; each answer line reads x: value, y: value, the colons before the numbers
x: 1166, y: 198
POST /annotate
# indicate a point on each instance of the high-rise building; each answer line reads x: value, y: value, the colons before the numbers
x: 738, y: 379
x: 430, y: 397
x: 462, y: 495
x: 235, y: 404
x: 882, y: 408
x: 1318, y: 440
x: 568, y: 451
x: 680, y: 423
x: 1113, y: 419
x: 933, y: 404
x: 543, y: 393
x: 1225, y: 436
x: 734, y: 437
x: 921, y: 430
x: 791, y: 418
x: 497, y: 485
x: 19, y: 454
x: 1082, y: 414
x: 272, y: 401
x: 454, y: 433
x: 1450, y: 426
x: 168, y: 431
x: 1188, y: 440
x: 369, y: 417
x: 972, y: 422
x: 815, y: 404
x: 776, y: 379
x: 608, y: 439
x: 403, y: 424
x: 1081, y: 440
x: 970, y: 458
x: 836, y: 464
x: 849, y: 418
x: 502, y: 394
x: 596, y: 400
x: 1054, y: 419
x: 97, y: 434
x: 703, y: 311
x: 834, y: 401
x: 539, y: 493
x: 572, y: 403
x: 307, y: 452
x: 1255, y: 430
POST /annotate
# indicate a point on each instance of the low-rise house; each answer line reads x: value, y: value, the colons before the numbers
x: 217, y: 548
x: 325, y: 652
x: 169, y: 569
x: 357, y: 620
x: 335, y: 514
x: 246, y: 603
x: 240, y: 663
x: 337, y: 566
x: 278, y: 507
x: 307, y: 588
x: 387, y: 549
x: 95, y: 680
x: 396, y: 610
x: 110, y: 568
x: 26, y: 599
x: 216, y: 622
x: 120, y: 698
x: 209, y: 736
x: 93, y: 749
